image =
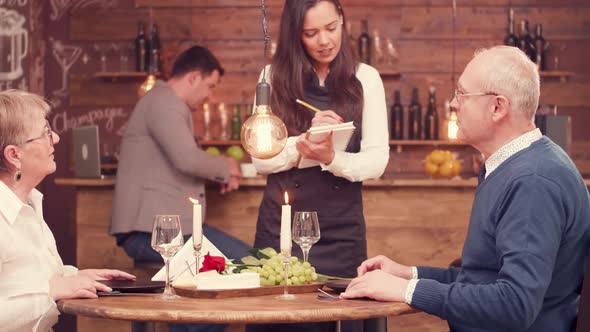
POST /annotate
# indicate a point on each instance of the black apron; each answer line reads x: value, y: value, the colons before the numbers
x: 339, y: 203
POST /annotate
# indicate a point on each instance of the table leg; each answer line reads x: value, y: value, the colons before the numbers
x: 375, y: 324
x: 143, y: 326
x: 338, y: 326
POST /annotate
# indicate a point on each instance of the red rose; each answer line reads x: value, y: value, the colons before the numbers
x: 213, y: 263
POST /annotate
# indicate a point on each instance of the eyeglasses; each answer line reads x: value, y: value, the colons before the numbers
x: 48, y: 133
x: 459, y: 95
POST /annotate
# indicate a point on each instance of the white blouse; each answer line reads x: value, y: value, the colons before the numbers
x: 28, y: 260
x: 371, y: 160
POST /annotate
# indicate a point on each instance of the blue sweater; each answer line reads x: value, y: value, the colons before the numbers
x: 523, y: 258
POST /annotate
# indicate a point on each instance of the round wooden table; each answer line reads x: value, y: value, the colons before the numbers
x: 240, y: 310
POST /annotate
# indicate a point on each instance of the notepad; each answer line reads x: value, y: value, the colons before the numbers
x: 342, y: 134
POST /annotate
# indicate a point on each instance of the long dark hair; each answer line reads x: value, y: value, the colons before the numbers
x: 292, y: 68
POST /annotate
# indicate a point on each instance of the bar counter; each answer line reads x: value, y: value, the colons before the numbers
x: 416, y: 221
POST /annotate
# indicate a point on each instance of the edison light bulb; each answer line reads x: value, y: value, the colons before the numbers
x: 263, y: 135
x: 147, y: 85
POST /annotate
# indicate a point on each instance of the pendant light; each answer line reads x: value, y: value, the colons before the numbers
x: 263, y: 135
x: 150, y: 80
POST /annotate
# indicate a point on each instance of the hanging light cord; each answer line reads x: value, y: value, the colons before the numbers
x: 266, y: 35
x: 454, y: 18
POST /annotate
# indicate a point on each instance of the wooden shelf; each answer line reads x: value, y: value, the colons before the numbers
x: 401, y: 142
x: 434, y: 143
x: 386, y: 73
x: 113, y: 75
x: 391, y: 142
x: 561, y: 75
x: 425, y: 142
x: 220, y: 142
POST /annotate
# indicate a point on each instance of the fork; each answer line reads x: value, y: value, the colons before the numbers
x: 328, y: 294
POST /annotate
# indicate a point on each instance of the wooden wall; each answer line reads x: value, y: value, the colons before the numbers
x: 421, y: 31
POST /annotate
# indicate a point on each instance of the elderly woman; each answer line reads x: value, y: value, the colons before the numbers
x: 32, y: 274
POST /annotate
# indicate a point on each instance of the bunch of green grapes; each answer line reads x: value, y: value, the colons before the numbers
x: 272, y: 271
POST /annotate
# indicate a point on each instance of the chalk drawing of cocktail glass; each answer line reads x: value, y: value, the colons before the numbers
x: 66, y: 56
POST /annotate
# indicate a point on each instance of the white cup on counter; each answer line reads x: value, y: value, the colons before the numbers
x: 248, y: 170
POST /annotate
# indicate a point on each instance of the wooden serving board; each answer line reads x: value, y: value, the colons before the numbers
x: 245, y: 292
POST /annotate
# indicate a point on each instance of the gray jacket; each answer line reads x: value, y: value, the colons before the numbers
x: 161, y: 164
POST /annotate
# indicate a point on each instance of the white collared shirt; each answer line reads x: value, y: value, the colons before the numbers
x: 370, y: 162
x: 28, y: 260
x: 520, y: 143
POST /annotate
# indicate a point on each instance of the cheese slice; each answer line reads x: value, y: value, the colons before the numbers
x: 214, y: 280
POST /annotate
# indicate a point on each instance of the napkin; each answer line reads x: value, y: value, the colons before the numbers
x: 185, y: 257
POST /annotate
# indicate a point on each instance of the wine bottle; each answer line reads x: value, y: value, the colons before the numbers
x: 155, y: 51
x: 540, y: 46
x: 397, y: 117
x: 236, y: 123
x: 365, y: 44
x: 352, y: 40
x: 141, y: 49
x: 431, y: 118
x: 511, y: 39
x: 415, y: 117
x: 526, y: 41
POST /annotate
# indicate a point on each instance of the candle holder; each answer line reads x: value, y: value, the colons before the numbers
x: 286, y: 258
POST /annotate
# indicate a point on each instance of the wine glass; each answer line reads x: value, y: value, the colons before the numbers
x: 167, y: 240
x: 306, y: 231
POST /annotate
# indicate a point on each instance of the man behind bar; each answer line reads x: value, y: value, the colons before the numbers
x: 161, y: 165
x: 529, y: 232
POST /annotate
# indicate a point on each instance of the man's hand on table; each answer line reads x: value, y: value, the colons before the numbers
x: 378, y: 285
x: 385, y: 264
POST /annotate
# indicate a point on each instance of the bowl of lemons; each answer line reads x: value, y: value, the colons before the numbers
x: 441, y: 164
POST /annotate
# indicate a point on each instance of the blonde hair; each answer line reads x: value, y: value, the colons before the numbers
x: 509, y: 72
x: 18, y: 110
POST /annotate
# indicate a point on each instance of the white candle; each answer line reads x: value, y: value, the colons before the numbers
x: 286, y: 226
x: 197, y: 222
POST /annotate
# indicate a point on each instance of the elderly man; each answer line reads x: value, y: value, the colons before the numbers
x: 529, y: 232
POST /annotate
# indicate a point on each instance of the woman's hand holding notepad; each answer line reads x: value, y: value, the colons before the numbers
x: 322, y: 119
x: 341, y: 136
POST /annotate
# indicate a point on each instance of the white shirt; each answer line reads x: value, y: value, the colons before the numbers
x: 28, y: 260
x: 371, y: 160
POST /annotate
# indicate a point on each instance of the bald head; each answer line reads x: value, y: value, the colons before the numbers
x: 509, y: 72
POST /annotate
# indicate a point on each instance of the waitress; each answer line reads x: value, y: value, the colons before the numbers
x: 314, y: 62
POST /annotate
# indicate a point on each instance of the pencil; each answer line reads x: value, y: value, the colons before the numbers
x: 313, y: 108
